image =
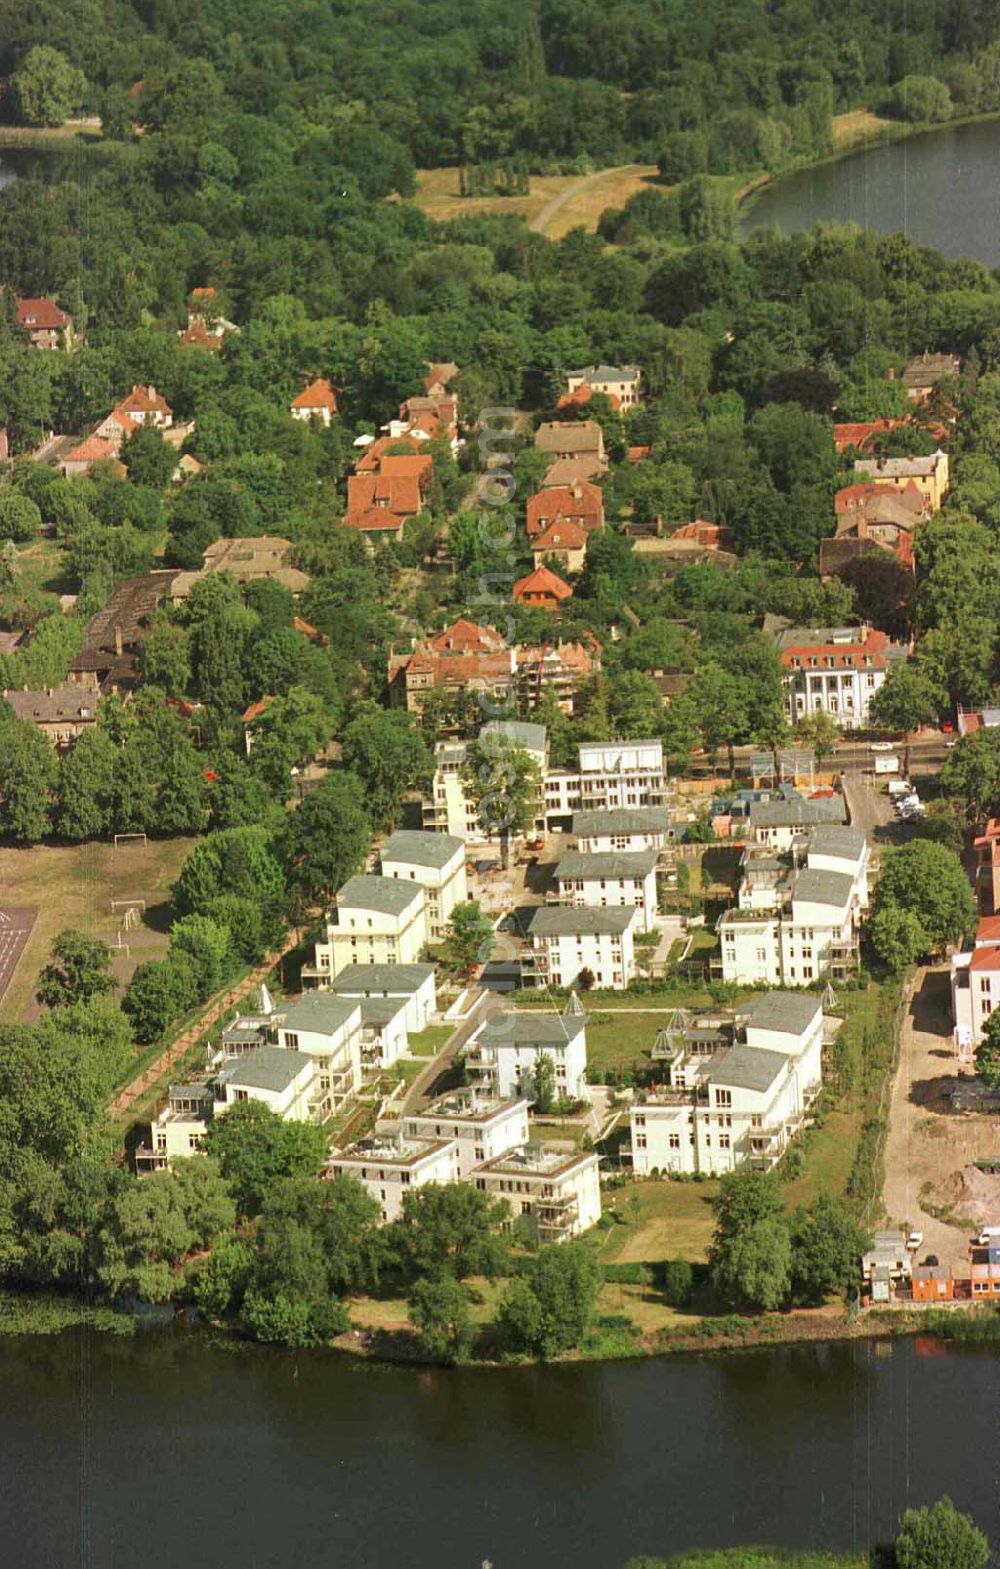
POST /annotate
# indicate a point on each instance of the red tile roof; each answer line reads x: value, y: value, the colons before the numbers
x: 318, y: 395
x: 845, y: 656
x: 371, y: 459
x: 197, y: 336
x: 398, y: 495
x: 143, y: 400
x: 565, y: 534
x: 374, y: 520
x: 406, y: 465
x: 583, y: 502
x: 94, y: 449
x: 708, y: 535
x: 637, y: 454
x: 861, y: 431
x: 466, y: 637
x: 987, y: 958
x: 255, y: 710
x: 852, y: 497
x: 582, y: 395
x: 988, y: 931
x: 541, y: 584
x: 41, y: 313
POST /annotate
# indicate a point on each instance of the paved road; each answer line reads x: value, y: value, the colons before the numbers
x: 421, y: 1088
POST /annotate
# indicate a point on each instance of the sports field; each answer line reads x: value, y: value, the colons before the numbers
x: 49, y: 887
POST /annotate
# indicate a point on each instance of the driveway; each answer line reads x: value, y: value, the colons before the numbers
x: 422, y: 1088
x: 928, y: 1143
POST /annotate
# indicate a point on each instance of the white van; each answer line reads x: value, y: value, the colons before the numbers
x: 899, y: 787
x: 988, y: 1236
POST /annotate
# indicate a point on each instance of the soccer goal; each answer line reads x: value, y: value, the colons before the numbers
x: 126, y: 841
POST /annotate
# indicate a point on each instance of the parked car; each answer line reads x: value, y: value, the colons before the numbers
x: 882, y: 746
x: 988, y: 1235
x: 947, y: 728
x: 914, y: 1241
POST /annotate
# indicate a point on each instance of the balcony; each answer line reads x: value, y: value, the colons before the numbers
x: 147, y: 1160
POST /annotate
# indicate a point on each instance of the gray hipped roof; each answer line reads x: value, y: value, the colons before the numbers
x: 420, y: 848
x: 814, y: 887
x: 795, y: 813
x: 746, y: 1068
x: 267, y: 1068
x: 562, y: 921
x: 621, y: 820
x: 607, y: 864
x: 323, y: 1013
x: 393, y: 980
x: 532, y: 1029
x: 386, y: 895
x: 836, y: 840
x: 787, y: 1012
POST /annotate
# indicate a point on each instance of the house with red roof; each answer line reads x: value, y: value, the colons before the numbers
x: 557, y: 667
x: 581, y: 503
x: 563, y: 543
x: 440, y: 375
x: 141, y: 406
x: 620, y: 384
x: 371, y: 458
x: 833, y: 670
x: 93, y: 449
x: 860, y: 433
x: 463, y: 659
x: 975, y: 987
x: 542, y: 590
x: 47, y: 326
x: 396, y: 498
x: 317, y: 401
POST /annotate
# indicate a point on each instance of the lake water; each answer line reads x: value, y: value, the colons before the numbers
x: 163, y: 1452
x: 941, y: 188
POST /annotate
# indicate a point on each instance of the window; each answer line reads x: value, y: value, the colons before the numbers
x: 525, y: 1206
x: 725, y: 1141
x: 640, y: 1141
x: 723, y: 1097
x: 640, y: 1120
x: 674, y: 1141
x: 291, y: 1041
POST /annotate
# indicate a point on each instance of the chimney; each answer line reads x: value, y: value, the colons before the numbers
x: 892, y: 373
x: 119, y: 649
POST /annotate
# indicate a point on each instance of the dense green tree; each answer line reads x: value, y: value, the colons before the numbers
x: 470, y: 934
x: 389, y: 755
x: 20, y: 519
x: 440, y: 1312
x: 255, y: 1149
x: 28, y: 773
x: 551, y: 1307
x: 79, y: 968
x: 929, y: 881
x: 503, y: 782
x: 750, y: 1260
x: 827, y: 1246
x: 451, y: 1230
x: 160, y: 991
x: 988, y: 1052
x: 939, y: 1537
x: 325, y: 840
x: 153, y: 1224
x: 48, y: 87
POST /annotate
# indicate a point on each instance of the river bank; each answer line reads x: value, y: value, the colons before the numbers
x: 875, y: 134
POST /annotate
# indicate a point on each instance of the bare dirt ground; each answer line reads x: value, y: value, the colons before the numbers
x: 857, y: 125
x: 929, y: 1146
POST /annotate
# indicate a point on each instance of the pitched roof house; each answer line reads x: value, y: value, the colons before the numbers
x: 574, y: 471
x: 620, y: 383
x: 62, y: 713
x: 564, y: 542
x: 924, y: 371
x: 571, y: 439
x: 541, y: 590
x: 46, y: 325
x: 463, y: 657
x: 317, y: 401
x: 580, y: 503
x: 93, y: 449
x: 397, y: 495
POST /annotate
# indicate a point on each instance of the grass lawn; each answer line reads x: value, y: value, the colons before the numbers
x: 42, y: 569
x: 430, y: 1041
x: 829, y: 1155
x: 74, y: 886
x: 617, y: 1040
x: 675, y: 1220
x: 438, y: 196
